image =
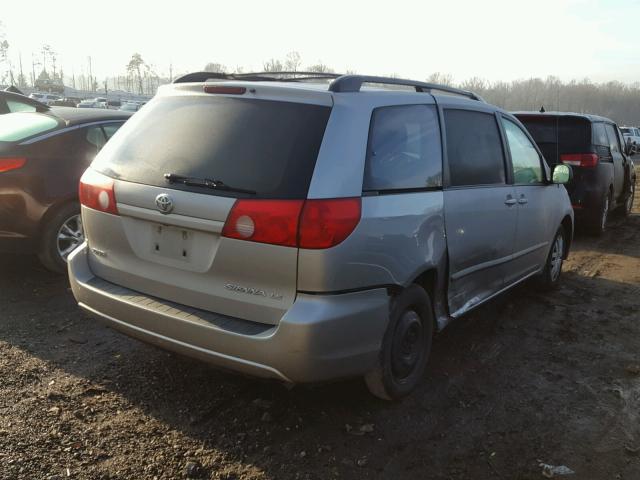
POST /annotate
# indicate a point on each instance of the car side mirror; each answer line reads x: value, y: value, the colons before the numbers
x: 562, y: 174
x: 628, y: 148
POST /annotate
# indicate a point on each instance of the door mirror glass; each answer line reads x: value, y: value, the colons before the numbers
x: 562, y: 174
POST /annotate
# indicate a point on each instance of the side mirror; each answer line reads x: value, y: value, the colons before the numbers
x: 629, y: 147
x: 562, y: 174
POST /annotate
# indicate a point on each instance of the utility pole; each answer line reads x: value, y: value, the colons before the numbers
x: 90, y: 75
x: 33, y: 72
x: 171, y: 73
x: 21, y: 73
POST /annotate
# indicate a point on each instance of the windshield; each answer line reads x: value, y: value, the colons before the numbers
x: 18, y: 126
x: 626, y: 131
x: 268, y: 147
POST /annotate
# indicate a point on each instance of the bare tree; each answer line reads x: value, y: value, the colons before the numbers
x: 135, y: 67
x: 320, y: 68
x: 215, y: 68
x: 292, y: 62
x: 5, y: 73
x: 273, y: 65
x: 441, y: 78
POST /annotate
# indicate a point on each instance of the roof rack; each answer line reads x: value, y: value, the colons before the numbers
x: 353, y: 83
x: 340, y: 84
x: 257, y: 76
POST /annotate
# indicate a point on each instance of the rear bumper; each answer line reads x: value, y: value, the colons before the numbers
x: 321, y: 337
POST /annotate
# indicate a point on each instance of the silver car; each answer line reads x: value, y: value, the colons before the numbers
x: 313, y: 231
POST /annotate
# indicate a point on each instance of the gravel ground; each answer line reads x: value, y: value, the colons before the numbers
x: 530, y: 378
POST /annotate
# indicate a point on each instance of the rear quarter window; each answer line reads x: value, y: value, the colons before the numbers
x: 599, y: 135
x: 404, y: 149
x: 18, y: 126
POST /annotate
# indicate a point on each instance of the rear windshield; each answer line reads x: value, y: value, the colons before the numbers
x: 268, y: 147
x: 558, y: 135
x: 20, y: 125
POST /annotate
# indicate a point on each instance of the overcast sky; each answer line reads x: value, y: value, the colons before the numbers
x: 492, y: 39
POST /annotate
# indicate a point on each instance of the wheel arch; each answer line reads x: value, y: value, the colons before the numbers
x: 428, y: 279
x: 53, y: 210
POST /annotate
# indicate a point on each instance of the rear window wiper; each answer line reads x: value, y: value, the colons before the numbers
x: 205, y: 182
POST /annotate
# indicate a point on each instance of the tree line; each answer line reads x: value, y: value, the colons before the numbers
x: 616, y: 100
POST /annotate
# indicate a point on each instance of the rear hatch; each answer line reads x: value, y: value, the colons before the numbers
x: 166, y: 238
x: 558, y: 134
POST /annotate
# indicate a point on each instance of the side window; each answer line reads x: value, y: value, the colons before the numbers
x: 20, y: 107
x: 474, y: 148
x: 111, y: 128
x: 525, y: 159
x: 613, y: 139
x: 599, y: 135
x: 404, y: 149
x: 96, y: 137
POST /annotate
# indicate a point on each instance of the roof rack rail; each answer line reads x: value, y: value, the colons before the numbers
x: 257, y: 76
x: 353, y: 83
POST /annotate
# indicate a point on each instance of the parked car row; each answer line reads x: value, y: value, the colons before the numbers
x: 42, y: 156
x: 604, y: 173
x: 305, y: 232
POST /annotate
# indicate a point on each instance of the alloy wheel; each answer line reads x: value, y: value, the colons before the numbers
x: 70, y: 235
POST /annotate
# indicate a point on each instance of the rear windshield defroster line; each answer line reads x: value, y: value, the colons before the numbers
x: 263, y: 146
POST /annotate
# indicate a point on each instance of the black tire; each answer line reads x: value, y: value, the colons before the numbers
x: 406, y: 346
x: 550, y: 276
x: 600, y: 220
x: 49, y: 253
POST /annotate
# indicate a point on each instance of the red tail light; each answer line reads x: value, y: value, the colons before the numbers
x: 96, y: 191
x: 7, y: 164
x: 326, y: 223
x: 309, y: 224
x: 588, y: 160
x: 264, y: 221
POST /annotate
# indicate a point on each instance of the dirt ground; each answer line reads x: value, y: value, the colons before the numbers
x: 531, y: 378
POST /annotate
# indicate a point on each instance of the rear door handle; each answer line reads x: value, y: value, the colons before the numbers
x: 510, y: 201
x: 522, y: 200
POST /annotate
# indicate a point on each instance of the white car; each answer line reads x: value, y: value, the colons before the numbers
x: 46, y: 98
x: 632, y: 137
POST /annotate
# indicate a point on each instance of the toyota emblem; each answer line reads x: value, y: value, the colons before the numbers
x: 164, y: 203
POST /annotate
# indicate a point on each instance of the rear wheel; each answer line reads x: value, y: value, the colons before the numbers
x: 406, y: 346
x: 61, y: 235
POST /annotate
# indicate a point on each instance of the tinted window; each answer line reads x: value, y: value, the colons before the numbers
x: 474, y: 148
x: 95, y: 137
x: 18, y: 126
x: 404, y: 149
x: 525, y: 159
x: 599, y: 135
x: 266, y: 146
x: 19, y: 106
x: 556, y: 135
x: 110, y: 129
x: 613, y: 139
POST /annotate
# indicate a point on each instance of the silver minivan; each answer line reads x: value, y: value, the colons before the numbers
x: 306, y: 231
